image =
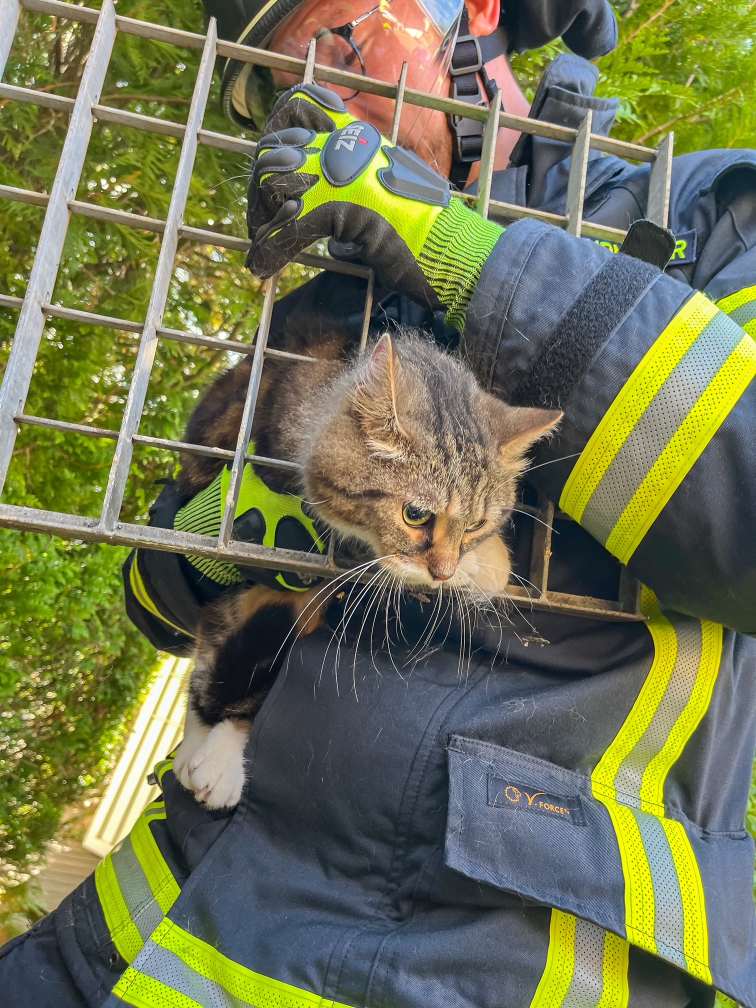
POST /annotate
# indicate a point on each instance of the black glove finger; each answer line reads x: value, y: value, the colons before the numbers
x: 281, y: 183
x: 294, y: 136
x: 292, y: 110
x: 277, y: 243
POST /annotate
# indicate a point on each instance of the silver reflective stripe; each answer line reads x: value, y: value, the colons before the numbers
x: 746, y: 313
x: 136, y: 891
x: 658, y: 424
x: 682, y: 681
x: 163, y: 965
x: 669, y: 916
x: 587, y: 983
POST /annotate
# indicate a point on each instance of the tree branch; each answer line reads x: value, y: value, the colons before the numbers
x: 687, y: 115
x: 649, y: 21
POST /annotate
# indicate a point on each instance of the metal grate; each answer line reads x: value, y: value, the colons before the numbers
x: 36, y: 307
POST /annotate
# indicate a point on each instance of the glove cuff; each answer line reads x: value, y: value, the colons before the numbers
x: 453, y: 256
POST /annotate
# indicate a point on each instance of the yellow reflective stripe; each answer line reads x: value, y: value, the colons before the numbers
x: 640, y: 902
x: 159, y: 876
x: 239, y: 981
x: 659, y: 766
x: 141, y: 991
x: 684, y: 448
x: 648, y: 700
x: 677, y: 652
x: 586, y: 966
x: 144, y: 600
x: 119, y: 915
x: 733, y: 301
x: 616, y: 990
x: 632, y: 402
x: 163, y: 767
x: 696, y: 934
x: 123, y: 930
x: 560, y: 962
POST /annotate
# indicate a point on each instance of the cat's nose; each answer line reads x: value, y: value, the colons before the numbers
x: 441, y: 568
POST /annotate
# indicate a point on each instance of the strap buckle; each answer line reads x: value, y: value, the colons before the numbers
x: 468, y: 133
x: 462, y: 61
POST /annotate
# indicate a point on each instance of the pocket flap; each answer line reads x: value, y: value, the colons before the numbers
x: 533, y: 828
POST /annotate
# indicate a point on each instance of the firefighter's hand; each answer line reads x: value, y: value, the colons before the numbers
x: 321, y: 173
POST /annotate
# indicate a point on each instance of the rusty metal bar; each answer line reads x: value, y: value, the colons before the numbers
x: 578, y: 173
x: 44, y: 272
x: 149, y: 340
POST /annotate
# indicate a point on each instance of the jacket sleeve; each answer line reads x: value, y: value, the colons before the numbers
x: 655, y: 453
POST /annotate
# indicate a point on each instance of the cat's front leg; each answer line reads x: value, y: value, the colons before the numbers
x: 242, y: 641
x: 210, y: 760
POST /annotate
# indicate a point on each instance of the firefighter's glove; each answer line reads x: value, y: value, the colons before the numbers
x: 320, y: 172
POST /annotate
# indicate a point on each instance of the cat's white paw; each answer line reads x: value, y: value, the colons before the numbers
x: 195, y: 734
x: 212, y: 767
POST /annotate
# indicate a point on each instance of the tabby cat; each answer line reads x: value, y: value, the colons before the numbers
x: 400, y: 451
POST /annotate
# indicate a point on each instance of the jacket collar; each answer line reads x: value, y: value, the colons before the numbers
x: 564, y: 94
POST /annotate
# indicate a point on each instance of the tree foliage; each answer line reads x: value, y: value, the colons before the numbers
x: 70, y: 664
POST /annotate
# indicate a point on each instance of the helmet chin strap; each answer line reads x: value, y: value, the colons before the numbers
x: 469, y: 60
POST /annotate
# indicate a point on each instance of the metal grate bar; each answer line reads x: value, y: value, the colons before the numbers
x: 10, y: 11
x: 488, y: 154
x: 122, y: 117
x: 369, y: 293
x: 248, y: 554
x: 401, y: 87
x: 207, y: 451
x: 44, y: 272
x: 578, y: 172
x: 370, y: 85
x: 148, y: 343
x: 308, y: 73
x: 245, y: 427
x: 497, y: 209
x: 657, y: 208
x: 540, y: 553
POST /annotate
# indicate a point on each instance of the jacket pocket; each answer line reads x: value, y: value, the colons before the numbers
x: 536, y: 829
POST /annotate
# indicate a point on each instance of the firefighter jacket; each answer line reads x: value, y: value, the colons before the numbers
x: 538, y: 827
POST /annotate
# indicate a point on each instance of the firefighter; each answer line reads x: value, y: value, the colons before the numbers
x: 564, y: 826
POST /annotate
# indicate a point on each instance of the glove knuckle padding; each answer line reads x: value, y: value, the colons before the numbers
x: 292, y: 136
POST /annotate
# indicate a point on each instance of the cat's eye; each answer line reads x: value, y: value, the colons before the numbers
x: 476, y: 525
x: 416, y: 515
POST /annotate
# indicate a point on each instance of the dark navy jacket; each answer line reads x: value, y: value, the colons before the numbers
x: 556, y: 826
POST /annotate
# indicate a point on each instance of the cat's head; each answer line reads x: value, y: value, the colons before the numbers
x: 412, y: 458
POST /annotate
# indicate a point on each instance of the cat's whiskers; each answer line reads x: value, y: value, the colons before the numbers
x: 344, y: 621
x: 493, y: 608
x: 540, y: 521
x: 330, y: 588
x: 550, y: 462
x: 365, y: 615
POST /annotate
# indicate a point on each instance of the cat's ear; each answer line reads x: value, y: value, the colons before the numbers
x: 375, y: 399
x: 519, y: 427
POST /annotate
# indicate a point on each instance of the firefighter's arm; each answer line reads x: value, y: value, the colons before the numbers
x: 652, y: 376
x: 655, y: 452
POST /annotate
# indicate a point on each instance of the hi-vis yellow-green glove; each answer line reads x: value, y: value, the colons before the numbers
x: 319, y: 172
